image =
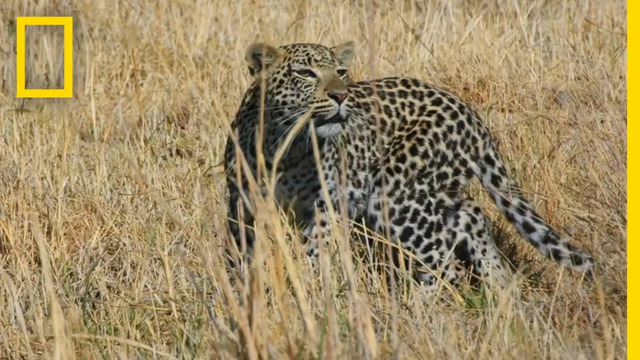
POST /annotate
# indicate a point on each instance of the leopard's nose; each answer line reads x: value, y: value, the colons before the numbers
x: 338, y: 96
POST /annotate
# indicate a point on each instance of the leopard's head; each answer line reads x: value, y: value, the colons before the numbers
x: 301, y: 79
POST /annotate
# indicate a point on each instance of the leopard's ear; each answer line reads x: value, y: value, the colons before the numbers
x: 344, y: 52
x: 261, y: 56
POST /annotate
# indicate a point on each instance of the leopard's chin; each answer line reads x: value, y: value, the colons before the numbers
x: 329, y: 130
x: 335, y: 119
x: 329, y: 127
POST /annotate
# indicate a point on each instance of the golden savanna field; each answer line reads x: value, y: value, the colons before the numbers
x: 113, y: 203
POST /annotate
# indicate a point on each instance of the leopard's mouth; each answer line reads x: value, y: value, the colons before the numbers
x: 335, y: 119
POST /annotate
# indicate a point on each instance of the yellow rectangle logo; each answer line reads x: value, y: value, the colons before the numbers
x: 67, y: 23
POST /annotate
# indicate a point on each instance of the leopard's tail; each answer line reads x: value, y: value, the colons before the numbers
x: 509, y: 199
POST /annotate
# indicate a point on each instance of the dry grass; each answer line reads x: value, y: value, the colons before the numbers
x: 112, y: 204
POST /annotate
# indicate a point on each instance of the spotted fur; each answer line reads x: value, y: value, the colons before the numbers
x: 410, y: 149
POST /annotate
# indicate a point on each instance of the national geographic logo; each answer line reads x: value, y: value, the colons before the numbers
x: 67, y: 23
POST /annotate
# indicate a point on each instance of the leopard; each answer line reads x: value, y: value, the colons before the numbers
x: 395, y: 154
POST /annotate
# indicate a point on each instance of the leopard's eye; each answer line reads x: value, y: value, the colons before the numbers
x: 306, y: 73
x: 342, y: 72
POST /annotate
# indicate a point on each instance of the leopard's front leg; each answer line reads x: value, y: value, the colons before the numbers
x: 341, y: 195
x: 321, y: 226
x: 317, y: 231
